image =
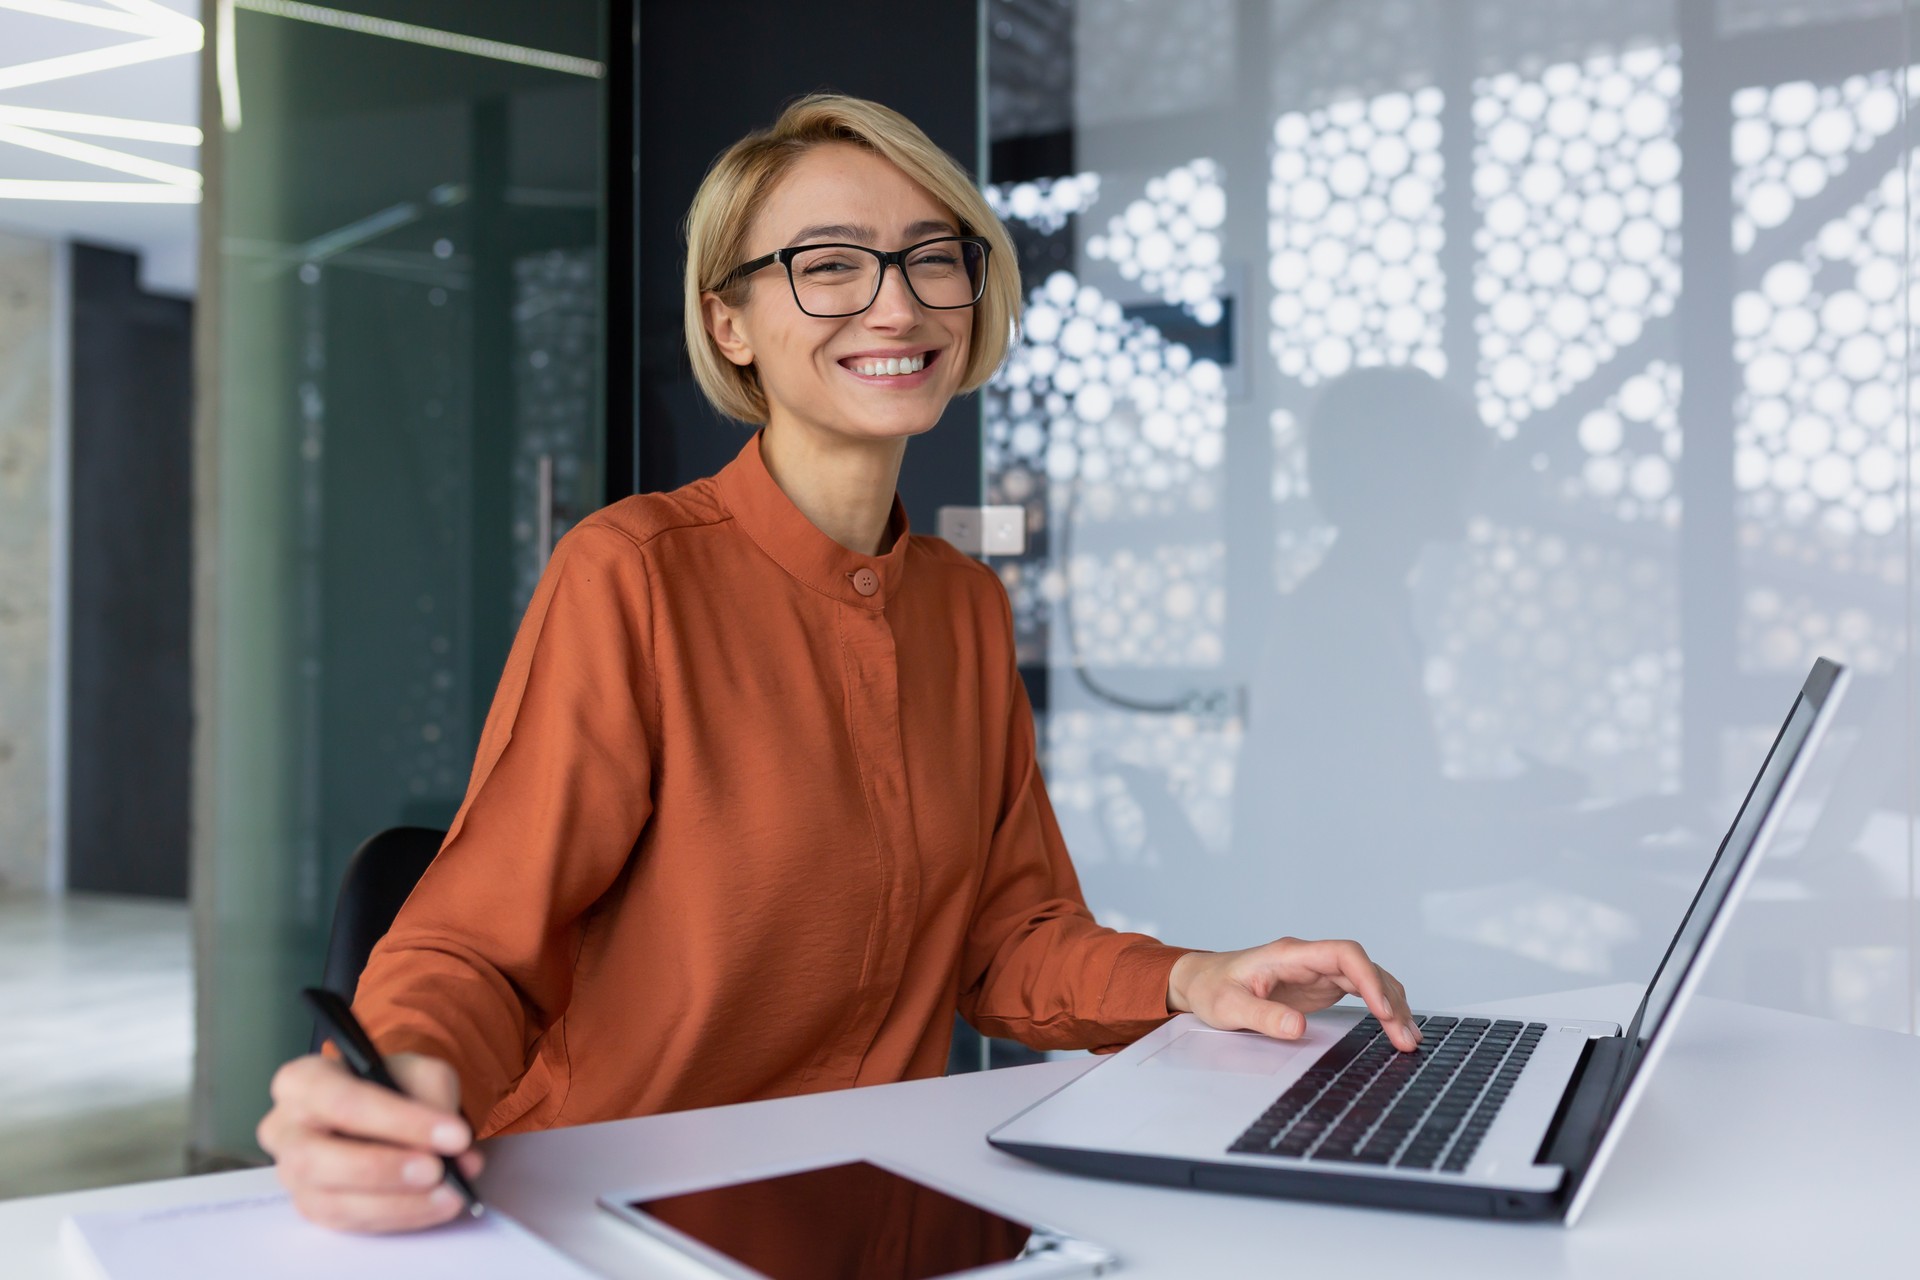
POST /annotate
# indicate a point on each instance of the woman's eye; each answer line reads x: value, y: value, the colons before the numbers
x: 936, y: 260
x: 827, y: 266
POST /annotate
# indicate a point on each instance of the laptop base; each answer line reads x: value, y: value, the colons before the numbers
x: 1299, y: 1184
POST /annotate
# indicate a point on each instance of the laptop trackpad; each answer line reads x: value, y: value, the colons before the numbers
x: 1239, y: 1052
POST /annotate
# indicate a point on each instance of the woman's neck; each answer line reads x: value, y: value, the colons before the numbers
x: 844, y: 487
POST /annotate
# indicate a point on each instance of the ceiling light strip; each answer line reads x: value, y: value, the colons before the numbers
x: 179, y: 135
x: 226, y: 66
x: 158, y: 14
x: 371, y: 227
x: 97, y: 192
x: 101, y: 157
x: 405, y: 31
x: 70, y: 65
x: 93, y: 16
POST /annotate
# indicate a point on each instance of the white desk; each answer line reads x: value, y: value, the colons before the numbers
x: 1737, y: 1165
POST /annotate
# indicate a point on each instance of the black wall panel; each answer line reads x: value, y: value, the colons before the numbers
x: 709, y: 73
x: 129, y: 693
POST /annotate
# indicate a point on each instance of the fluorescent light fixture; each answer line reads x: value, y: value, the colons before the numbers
x: 451, y: 41
x: 119, y: 18
x: 371, y: 227
x: 104, y: 157
x: 98, y: 192
x: 167, y: 34
x: 179, y: 135
x: 67, y: 66
x: 159, y: 14
x: 226, y: 66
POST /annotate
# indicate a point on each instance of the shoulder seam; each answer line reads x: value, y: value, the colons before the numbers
x: 641, y: 543
x: 961, y: 559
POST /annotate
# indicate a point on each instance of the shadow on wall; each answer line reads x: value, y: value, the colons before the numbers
x: 1341, y: 761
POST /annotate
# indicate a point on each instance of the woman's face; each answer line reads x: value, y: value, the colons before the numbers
x: 811, y: 368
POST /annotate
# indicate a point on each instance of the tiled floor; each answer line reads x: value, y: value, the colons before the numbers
x: 97, y: 1051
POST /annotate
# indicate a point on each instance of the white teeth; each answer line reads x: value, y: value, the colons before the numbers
x: 889, y: 368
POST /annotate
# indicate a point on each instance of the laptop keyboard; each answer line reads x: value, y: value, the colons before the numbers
x: 1365, y: 1102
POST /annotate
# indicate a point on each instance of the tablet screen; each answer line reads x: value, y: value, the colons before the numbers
x: 852, y: 1221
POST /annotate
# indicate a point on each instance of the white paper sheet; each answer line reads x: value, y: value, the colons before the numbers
x: 263, y: 1236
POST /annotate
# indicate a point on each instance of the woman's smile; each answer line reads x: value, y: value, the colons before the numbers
x: 900, y: 369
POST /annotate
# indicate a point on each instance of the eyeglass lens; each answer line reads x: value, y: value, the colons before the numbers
x: 834, y: 280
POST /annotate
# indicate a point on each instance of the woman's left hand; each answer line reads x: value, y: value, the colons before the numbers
x: 1272, y: 989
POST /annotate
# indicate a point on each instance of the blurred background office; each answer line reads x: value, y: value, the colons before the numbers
x: 1446, y: 432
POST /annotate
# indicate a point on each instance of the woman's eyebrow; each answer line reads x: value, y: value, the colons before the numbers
x: 929, y: 226
x: 835, y: 231
x: 866, y: 235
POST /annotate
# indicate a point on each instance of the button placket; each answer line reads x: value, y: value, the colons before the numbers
x: 874, y: 702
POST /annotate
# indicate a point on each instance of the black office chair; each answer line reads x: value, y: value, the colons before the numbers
x: 379, y: 876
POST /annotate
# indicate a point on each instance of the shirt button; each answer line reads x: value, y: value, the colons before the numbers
x: 866, y: 581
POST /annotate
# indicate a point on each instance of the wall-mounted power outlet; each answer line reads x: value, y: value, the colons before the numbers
x: 985, y: 531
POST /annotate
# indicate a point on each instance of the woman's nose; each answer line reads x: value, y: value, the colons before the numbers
x: 895, y: 301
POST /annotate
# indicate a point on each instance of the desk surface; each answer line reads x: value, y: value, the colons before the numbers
x: 1736, y: 1164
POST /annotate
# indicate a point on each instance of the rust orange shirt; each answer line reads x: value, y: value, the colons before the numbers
x: 752, y: 815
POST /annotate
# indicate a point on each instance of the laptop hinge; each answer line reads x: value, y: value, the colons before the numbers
x: 1575, y: 1132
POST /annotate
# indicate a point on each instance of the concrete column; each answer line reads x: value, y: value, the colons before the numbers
x: 28, y: 509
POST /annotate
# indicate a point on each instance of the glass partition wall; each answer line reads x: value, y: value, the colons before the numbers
x: 405, y: 224
x: 1450, y: 429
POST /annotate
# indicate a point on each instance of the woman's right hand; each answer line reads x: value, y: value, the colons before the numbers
x: 360, y: 1157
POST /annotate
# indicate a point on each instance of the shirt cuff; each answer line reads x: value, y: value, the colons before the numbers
x: 1137, y: 991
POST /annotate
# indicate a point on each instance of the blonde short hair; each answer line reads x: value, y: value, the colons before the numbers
x: 734, y: 189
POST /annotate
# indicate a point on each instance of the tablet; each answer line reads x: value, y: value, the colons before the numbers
x: 853, y: 1220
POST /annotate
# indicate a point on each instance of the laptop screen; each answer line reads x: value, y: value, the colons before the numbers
x: 1817, y: 695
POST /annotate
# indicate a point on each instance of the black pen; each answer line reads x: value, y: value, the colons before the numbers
x: 341, y: 1027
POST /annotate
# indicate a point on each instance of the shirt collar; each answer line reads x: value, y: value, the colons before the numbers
x: 767, y: 516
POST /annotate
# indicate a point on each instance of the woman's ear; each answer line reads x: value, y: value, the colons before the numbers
x: 723, y: 325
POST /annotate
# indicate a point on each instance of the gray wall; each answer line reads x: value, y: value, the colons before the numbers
x: 27, y: 403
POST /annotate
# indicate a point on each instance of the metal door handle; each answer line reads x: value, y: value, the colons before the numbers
x: 543, y: 511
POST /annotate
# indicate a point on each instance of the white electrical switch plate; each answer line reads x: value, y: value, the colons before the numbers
x: 985, y: 531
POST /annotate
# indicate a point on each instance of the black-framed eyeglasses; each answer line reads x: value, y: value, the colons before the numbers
x: 830, y: 281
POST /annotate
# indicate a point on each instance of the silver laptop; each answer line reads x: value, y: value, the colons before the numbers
x: 1491, y: 1117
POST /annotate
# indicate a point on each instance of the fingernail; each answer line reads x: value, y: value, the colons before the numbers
x: 449, y: 1137
x: 1290, y: 1024
x: 444, y: 1197
x: 421, y: 1173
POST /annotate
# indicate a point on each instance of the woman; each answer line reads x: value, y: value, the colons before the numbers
x: 756, y: 807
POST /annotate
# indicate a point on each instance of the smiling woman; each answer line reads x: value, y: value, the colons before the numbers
x: 735, y: 227
x: 758, y: 808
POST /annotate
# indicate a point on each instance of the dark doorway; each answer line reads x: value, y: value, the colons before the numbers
x: 129, y: 692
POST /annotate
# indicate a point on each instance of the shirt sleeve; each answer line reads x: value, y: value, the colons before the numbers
x: 478, y: 966
x: 1037, y: 967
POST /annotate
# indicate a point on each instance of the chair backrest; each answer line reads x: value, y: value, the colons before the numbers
x: 379, y: 876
